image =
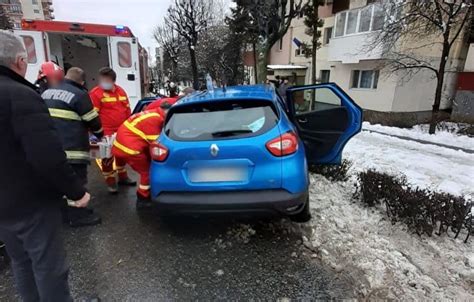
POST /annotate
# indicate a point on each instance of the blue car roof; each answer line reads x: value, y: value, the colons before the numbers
x: 244, y: 92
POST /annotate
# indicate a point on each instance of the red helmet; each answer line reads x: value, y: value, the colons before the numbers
x: 51, y: 70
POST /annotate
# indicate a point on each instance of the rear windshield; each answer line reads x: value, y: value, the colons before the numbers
x: 221, y: 120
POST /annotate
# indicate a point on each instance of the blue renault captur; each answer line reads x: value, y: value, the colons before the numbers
x: 247, y: 149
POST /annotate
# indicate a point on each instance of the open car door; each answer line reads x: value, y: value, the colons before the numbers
x: 326, y: 118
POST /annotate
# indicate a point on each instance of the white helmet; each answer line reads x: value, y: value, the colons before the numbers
x: 172, y: 85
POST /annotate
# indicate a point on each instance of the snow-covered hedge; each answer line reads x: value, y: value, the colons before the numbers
x: 422, y: 210
x: 333, y: 172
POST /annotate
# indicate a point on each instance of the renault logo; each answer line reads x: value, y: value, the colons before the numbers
x: 214, y: 150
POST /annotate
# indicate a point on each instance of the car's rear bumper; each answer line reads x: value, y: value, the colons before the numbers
x: 276, y: 201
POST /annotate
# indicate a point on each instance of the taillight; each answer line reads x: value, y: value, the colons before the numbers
x: 158, y: 152
x: 283, y: 145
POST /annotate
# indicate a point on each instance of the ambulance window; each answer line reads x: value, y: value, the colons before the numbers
x: 30, y: 49
x: 124, y: 54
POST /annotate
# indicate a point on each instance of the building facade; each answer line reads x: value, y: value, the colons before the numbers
x: 13, y: 10
x: 27, y: 9
x: 37, y: 9
x: 346, y: 58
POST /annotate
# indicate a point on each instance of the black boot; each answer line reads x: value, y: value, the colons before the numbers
x: 143, y: 203
x: 89, y: 299
x: 127, y: 182
x: 79, y: 217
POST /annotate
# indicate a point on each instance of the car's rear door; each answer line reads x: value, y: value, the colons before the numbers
x: 326, y: 119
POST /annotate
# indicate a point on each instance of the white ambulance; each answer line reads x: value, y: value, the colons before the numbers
x: 90, y: 47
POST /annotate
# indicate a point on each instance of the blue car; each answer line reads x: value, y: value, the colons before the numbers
x: 246, y: 149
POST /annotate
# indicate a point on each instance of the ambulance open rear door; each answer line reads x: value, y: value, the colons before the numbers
x: 36, y: 51
x: 124, y: 59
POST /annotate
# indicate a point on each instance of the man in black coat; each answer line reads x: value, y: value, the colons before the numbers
x: 34, y: 177
x: 74, y: 116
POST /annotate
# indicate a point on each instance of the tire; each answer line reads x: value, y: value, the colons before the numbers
x: 304, y: 215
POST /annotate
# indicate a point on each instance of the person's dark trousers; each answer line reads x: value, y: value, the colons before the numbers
x: 38, y: 258
x: 72, y: 213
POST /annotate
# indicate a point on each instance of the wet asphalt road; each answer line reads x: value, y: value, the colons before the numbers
x: 134, y: 257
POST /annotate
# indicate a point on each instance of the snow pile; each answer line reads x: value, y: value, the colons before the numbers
x: 420, y: 132
x: 386, y: 260
x: 427, y: 166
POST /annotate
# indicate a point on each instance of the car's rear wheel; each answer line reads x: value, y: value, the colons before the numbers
x: 304, y: 215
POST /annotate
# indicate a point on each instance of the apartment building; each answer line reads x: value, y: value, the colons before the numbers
x: 48, y: 10
x: 346, y: 58
x: 13, y: 10
x: 27, y: 9
x: 37, y: 9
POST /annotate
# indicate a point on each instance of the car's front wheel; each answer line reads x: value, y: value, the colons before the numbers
x: 304, y: 215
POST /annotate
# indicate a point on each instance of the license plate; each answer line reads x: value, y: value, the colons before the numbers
x: 218, y: 175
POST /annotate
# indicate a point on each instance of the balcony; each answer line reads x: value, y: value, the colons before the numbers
x: 354, y: 35
x: 352, y: 49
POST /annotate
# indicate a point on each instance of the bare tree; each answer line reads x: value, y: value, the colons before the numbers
x: 268, y: 21
x: 273, y: 20
x: 190, y: 18
x: 169, y: 40
x: 415, y: 28
x: 219, y: 53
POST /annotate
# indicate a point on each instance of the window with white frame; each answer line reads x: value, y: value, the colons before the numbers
x: 379, y: 17
x: 365, y: 18
x: 365, y: 79
x: 325, y: 74
x: 303, y: 50
x: 368, y: 18
x: 299, y: 51
x: 352, y: 17
x: 340, y: 24
x: 327, y: 35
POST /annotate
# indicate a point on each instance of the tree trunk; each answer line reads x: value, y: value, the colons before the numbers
x: 174, y: 71
x: 315, y: 44
x: 439, y: 89
x: 255, y: 70
x: 313, y: 61
x: 194, y: 67
x: 263, y: 53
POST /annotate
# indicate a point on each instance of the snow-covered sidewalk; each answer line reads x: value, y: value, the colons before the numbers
x: 427, y: 166
x: 385, y: 260
x: 420, y: 132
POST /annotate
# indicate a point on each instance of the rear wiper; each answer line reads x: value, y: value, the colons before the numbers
x: 231, y: 132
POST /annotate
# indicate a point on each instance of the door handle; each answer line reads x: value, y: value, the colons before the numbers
x: 302, y: 120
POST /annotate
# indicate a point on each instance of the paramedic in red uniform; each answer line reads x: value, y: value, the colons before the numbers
x: 134, y: 138
x: 111, y: 102
x: 132, y: 146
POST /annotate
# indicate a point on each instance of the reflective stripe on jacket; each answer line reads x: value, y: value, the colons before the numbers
x: 74, y: 116
x: 113, y: 107
x: 137, y: 132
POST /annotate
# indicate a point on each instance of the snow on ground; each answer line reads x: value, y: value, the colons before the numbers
x: 426, y: 166
x: 388, y: 261
x: 420, y: 132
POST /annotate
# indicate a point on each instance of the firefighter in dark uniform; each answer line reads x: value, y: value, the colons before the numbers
x: 74, y: 116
